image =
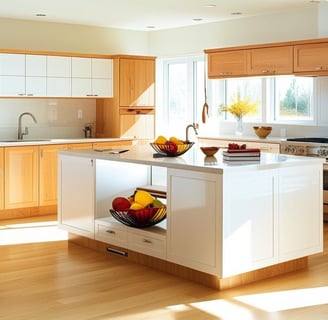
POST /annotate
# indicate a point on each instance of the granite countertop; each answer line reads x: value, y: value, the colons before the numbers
x: 193, y: 159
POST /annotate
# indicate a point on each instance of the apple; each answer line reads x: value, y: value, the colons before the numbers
x: 121, y: 204
x: 171, y: 147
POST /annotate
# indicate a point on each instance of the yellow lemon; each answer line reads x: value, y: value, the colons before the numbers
x: 136, y: 206
x: 143, y: 197
x: 160, y: 140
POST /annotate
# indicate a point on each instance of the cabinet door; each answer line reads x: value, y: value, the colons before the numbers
x: 227, y: 64
x: 2, y: 191
x: 270, y: 61
x: 81, y: 77
x: 300, y: 212
x: 21, y: 177
x: 193, y: 220
x: 312, y: 58
x: 58, y: 76
x: 48, y: 174
x: 248, y: 222
x: 76, y: 195
x: 139, y: 124
x: 137, y: 82
x: 12, y: 64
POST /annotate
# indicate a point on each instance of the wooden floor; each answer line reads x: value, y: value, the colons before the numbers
x: 54, y: 280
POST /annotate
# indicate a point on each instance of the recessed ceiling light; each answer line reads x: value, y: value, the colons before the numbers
x: 197, y: 19
x: 40, y: 15
x: 210, y: 5
x: 150, y: 27
x: 236, y: 13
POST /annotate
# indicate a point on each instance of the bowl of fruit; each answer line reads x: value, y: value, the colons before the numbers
x: 172, y: 147
x: 139, y: 211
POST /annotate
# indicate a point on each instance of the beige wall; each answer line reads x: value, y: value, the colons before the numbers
x: 30, y: 35
x: 296, y: 25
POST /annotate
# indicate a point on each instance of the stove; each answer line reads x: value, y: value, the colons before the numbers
x: 307, y: 146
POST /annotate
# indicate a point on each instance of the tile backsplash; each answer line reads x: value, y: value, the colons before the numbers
x: 56, y: 118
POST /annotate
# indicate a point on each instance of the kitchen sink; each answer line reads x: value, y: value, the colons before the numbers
x: 26, y: 140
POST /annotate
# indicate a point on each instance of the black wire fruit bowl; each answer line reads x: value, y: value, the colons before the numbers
x: 141, y: 218
x: 171, y: 149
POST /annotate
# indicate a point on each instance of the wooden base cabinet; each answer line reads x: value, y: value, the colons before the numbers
x: 21, y: 177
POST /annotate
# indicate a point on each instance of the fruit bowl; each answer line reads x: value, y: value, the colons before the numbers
x: 209, y: 151
x: 142, y: 218
x: 262, y: 132
x: 170, y: 150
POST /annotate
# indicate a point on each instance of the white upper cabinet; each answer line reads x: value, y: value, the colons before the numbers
x: 58, y: 76
x: 55, y: 76
x: 35, y: 75
x: 12, y: 74
x: 92, y: 77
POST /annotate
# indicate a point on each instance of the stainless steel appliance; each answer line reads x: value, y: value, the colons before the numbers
x: 311, y: 147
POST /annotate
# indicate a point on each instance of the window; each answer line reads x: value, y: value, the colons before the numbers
x: 281, y: 99
x: 183, y: 95
x: 293, y: 99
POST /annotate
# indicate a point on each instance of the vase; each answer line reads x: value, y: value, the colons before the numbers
x: 239, y: 128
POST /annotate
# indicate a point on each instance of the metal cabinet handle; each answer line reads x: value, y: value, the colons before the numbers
x: 147, y: 241
x: 111, y: 231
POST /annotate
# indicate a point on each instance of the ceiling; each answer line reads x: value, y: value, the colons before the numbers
x: 144, y: 14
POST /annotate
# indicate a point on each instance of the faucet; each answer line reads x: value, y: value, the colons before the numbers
x: 20, y: 133
x: 195, y: 126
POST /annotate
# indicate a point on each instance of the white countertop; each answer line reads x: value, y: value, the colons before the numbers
x: 31, y: 142
x: 194, y: 159
x: 244, y: 138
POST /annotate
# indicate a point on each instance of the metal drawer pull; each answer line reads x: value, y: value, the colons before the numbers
x: 147, y: 241
x: 111, y: 231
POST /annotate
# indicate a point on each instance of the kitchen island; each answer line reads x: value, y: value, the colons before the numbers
x: 226, y: 224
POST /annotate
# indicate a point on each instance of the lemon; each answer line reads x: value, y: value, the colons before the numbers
x: 143, y: 198
x: 136, y: 206
x: 160, y: 140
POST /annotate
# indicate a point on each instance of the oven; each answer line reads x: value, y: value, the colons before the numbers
x: 311, y: 147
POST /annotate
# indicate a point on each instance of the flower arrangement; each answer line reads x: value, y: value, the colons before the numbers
x: 240, y: 107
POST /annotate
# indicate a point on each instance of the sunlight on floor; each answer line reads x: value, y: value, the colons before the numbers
x: 31, y: 232
x: 286, y: 300
x: 264, y: 302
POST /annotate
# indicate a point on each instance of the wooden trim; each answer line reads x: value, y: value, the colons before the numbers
x: 265, y: 45
x: 126, y: 56
x: 27, y: 212
x: 194, y: 275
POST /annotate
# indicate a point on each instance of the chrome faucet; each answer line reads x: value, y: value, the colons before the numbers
x: 195, y: 126
x: 20, y: 133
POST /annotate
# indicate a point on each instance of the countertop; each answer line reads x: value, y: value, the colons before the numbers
x: 194, y: 159
x: 244, y: 138
x: 31, y: 142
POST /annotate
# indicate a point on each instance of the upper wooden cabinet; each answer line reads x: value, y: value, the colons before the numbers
x: 311, y: 58
x: 270, y: 61
x: 227, y: 64
x: 304, y: 57
x: 137, y: 82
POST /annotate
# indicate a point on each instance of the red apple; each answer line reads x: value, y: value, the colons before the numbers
x: 121, y: 204
x: 171, y: 147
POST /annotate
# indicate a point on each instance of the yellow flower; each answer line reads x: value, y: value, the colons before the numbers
x: 240, y: 107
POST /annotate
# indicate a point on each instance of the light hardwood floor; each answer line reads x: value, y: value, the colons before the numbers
x: 57, y: 280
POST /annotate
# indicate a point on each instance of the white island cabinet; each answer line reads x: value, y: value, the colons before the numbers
x: 222, y: 220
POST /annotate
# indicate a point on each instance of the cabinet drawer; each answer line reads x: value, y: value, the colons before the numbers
x: 111, y: 234
x: 149, y: 245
